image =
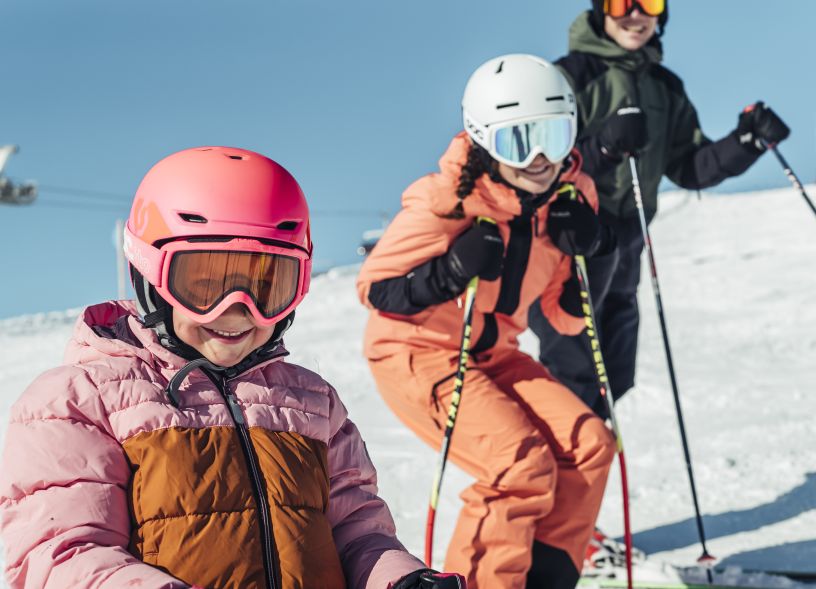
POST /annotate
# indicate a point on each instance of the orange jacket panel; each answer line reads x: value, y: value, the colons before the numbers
x: 420, y: 233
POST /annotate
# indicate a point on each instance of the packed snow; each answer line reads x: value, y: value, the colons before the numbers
x: 737, y: 278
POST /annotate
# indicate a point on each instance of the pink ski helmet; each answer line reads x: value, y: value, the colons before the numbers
x: 212, y: 226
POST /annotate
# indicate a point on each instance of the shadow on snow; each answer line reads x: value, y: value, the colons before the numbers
x: 684, y: 533
x: 794, y: 557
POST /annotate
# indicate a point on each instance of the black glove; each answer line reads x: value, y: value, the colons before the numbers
x: 479, y: 251
x: 573, y: 226
x: 430, y: 579
x: 758, y: 123
x: 624, y: 133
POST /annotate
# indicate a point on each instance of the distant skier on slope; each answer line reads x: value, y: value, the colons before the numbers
x: 540, y: 456
x: 176, y: 446
x: 628, y: 103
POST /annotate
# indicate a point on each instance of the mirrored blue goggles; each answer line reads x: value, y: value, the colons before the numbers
x: 518, y: 144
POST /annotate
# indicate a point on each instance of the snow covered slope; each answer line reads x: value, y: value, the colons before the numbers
x: 737, y: 277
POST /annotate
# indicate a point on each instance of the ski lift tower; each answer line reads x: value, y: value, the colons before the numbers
x: 14, y: 193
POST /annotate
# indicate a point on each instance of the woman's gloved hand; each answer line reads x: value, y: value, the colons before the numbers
x: 574, y: 228
x: 479, y: 251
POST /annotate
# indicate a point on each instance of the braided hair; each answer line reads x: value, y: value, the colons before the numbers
x: 477, y: 164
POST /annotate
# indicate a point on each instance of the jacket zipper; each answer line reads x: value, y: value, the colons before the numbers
x: 258, y: 486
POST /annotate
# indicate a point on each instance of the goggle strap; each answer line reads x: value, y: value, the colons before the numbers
x: 148, y: 260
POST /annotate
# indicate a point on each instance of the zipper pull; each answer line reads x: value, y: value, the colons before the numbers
x: 234, y: 407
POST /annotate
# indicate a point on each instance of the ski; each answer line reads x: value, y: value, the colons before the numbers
x: 733, y: 578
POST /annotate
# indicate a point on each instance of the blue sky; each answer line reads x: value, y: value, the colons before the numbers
x: 356, y: 98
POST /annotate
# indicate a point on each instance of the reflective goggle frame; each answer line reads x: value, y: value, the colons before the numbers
x: 517, y: 143
x: 620, y: 8
x: 157, y: 267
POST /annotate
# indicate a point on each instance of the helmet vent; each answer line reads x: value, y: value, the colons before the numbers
x: 506, y: 105
x: 236, y: 157
x: 553, y: 98
x: 287, y: 225
x: 501, y: 65
x: 192, y: 218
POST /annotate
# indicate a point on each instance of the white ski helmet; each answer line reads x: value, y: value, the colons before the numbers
x: 517, y: 106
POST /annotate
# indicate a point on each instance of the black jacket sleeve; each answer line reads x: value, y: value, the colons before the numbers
x: 711, y: 163
x: 694, y: 161
x: 429, y: 284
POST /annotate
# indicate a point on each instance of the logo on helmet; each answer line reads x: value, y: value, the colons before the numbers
x: 474, y: 130
x: 147, y: 222
x: 135, y: 255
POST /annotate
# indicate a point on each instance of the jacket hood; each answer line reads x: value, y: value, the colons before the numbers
x: 584, y: 38
x: 112, y: 329
x: 489, y: 199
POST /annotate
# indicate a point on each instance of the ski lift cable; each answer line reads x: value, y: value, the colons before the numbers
x: 84, y: 193
x: 80, y: 206
x: 107, y: 198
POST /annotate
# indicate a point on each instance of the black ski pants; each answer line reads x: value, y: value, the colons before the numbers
x: 613, y: 280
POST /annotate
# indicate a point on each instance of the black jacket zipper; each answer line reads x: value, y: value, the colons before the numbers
x: 270, y: 561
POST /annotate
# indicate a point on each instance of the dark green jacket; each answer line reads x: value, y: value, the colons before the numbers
x: 606, y: 77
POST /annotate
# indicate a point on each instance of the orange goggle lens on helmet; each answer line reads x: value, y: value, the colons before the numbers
x: 200, y: 280
x: 620, y: 8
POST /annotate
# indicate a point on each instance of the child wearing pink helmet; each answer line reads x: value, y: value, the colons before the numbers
x: 176, y: 447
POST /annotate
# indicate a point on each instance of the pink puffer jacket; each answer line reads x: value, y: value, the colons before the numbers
x: 104, y: 483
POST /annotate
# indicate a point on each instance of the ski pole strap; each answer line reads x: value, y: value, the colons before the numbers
x: 572, y: 192
x: 569, y: 189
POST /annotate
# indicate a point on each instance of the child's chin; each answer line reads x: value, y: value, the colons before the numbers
x: 225, y: 358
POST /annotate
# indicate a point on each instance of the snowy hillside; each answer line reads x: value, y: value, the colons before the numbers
x: 737, y: 276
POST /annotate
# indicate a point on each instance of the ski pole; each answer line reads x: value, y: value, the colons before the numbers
x: 705, y: 558
x: 458, y: 384
x: 603, y: 384
x: 791, y: 176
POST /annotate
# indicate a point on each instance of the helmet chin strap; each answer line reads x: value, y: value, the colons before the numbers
x: 155, y: 313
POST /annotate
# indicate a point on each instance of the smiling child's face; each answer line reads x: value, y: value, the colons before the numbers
x: 535, y: 178
x: 227, y: 340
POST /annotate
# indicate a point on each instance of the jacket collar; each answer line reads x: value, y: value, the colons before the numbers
x: 113, y: 329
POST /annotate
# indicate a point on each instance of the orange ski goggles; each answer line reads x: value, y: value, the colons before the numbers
x: 205, y: 278
x: 620, y: 8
